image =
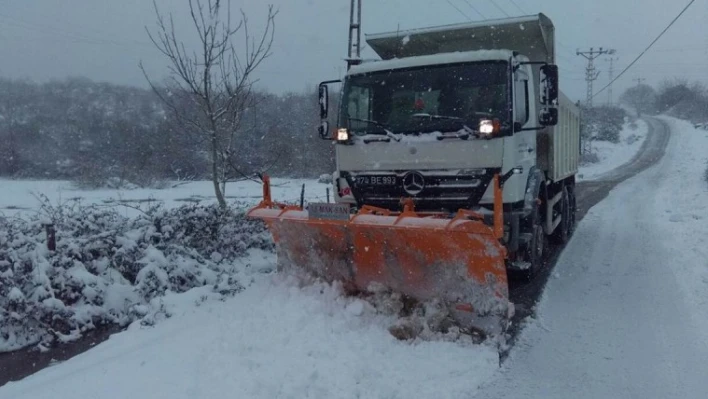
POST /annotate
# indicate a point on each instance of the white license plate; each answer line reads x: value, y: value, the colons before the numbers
x: 376, y: 180
x: 330, y: 211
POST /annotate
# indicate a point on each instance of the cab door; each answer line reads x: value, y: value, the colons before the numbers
x: 525, y: 148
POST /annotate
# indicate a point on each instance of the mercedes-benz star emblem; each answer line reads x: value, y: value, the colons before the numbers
x: 413, y: 183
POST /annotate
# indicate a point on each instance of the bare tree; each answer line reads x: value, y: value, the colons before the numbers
x: 217, y: 79
x: 642, y: 98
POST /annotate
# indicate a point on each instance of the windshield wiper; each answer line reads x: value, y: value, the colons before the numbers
x: 464, y: 134
x: 372, y: 122
x: 429, y: 116
x: 388, y: 132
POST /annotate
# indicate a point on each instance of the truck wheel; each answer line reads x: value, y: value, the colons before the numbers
x: 536, y: 247
x: 562, y: 233
x: 573, y: 209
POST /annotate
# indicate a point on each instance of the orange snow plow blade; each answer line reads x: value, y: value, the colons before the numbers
x: 459, y: 261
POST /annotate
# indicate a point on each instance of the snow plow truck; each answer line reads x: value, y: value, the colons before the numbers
x: 456, y: 157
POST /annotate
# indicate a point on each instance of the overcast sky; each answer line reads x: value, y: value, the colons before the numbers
x: 105, y: 39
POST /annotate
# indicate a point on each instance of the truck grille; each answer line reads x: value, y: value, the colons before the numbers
x: 430, y: 190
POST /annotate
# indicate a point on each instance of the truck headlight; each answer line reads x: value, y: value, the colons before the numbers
x: 342, y: 134
x: 486, y: 126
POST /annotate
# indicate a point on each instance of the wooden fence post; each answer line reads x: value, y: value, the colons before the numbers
x: 51, y: 236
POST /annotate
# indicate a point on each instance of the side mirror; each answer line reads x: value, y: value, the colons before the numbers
x: 323, y: 130
x: 548, y: 117
x: 548, y: 89
x: 323, y: 91
x: 324, y: 101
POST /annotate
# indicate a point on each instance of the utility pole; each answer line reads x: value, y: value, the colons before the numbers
x: 639, y: 81
x: 354, y: 57
x: 591, y: 73
x: 612, y: 76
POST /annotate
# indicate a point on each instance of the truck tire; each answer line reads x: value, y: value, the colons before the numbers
x: 535, y: 250
x: 565, y: 229
x: 573, y: 209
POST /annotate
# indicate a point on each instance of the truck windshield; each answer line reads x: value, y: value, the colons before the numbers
x: 424, y: 100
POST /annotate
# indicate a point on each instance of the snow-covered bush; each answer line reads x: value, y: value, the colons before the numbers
x: 631, y: 139
x: 602, y: 123
x: 325, y: 179
x: 108, y: 269
x: 589, y: 157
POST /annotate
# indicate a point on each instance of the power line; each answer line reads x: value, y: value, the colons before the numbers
x: 499, y: 8
x: 569, y: 50
x: 573, y: 61
x: 474, y: 9
x: 648, y: 47
x: 659, y: 50
x: 517, y: 7
x: 458, y: 10
x: 611, y: 73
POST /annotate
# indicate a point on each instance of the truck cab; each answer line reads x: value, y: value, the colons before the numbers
x: 448, y: 108
x: 436, y: 128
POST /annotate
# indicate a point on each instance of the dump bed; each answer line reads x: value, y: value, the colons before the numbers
x: 559, y: 146
x: 532, y: 36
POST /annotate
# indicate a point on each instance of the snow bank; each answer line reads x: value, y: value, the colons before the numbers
x: 272, y: 340
x: 682, y: 210
x: 612, y: 156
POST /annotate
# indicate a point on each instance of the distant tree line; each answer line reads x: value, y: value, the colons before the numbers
x: 677, y: 97
x: 101, y: 134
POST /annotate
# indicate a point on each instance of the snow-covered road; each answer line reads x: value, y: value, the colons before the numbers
x: 624, y: 317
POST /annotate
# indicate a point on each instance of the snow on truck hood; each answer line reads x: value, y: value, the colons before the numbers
x: 435, y: 59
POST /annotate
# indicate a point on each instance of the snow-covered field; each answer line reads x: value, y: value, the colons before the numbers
x: 20, y: 196
x: 611, y: 155
x: 623, y: 317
